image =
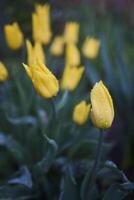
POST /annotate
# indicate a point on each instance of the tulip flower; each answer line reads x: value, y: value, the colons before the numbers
x: 34, y: 53
x: 81, y: 112
x: 3, y: 72
x: 41, y: 24
x: 71, y: 32
x: 57, y: 46
x: 72, y: 55
x: 102, y: 112
x: 13, y: 35
x: 71, y: 77
x: 91, y: 48
x: 44, y: 82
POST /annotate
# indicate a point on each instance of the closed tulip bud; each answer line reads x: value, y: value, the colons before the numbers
x: 91, y: 48
x: 34, y: 53
x: 41, y: 24
x: 3, y: 72
x: 71, y: 32
x: 102, y: 111
x: 13, y: 35
x: 81, y: 112
x: 71, y: 77
x: 57, y: 46
x: 44, y: 82
x: 72, y: 55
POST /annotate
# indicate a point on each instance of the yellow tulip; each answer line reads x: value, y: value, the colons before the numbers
x: 72, y: 55
x: 81, y: 112
x: 102, y: 111
x: 91, y: 48
x: 41, y: 24
x: 71, y: 77
x: 34, y: 53
x: 3, y: 72
x: 44, y: 82
x: 71, y: 32
x: 13, y: 35
x: 57, y: 46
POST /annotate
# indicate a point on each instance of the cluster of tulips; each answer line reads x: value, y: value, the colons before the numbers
x: 44, y: 81
x: 100, y: 107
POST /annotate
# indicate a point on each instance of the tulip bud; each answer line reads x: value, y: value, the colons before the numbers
x: 91, y: 48
x: 3, y: 72
x: 34, y: 53
x: 71, y: 77
x: 57, y: 46
x: 102, y: 112
x: 41, y: 24
x: 72, y: 55
x: 81, y: 112
x: 13, y: 35
x: 43, y: 80
x: 71, y: 32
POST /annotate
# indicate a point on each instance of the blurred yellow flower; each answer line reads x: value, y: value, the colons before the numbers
x: 81, y: 112
x: 45, y: 83
x: 102, y: 111
x: 72, y: 55
x: 13, y: 35
x: 3, y: 72
x: 41, y: 24
x: 91, y: 48
x: 57, y: 46
x: 71, y: 77
x: 71, y: 32
x: 34, y: 53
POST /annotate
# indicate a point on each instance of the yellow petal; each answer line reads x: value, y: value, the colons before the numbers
x: 13, y: 35
x: 81, y: 112
x: 72, y: 55
x: 91, y: 48
x: 102, y: 106
x: 3, y: 72
x: 41, y: 24
x: 43, y: 80
x: 71, y: 77
x: 71, y: 32
x: 28, y: 70
x: 57, y: 46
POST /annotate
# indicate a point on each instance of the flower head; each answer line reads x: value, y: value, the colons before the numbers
x: 71, y: 32
x: 43, y: 80
x: 71, y: 77
x: 3, y: 72
x: 72, y: 55
x: 81, y: 112
x: 102, y: 111
x: 34, y: 53
x: 91, y: 48
x: 57, y: 46
x: 41, y: 24
x: 13, y: 35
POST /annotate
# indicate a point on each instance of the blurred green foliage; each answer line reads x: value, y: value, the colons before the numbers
x: 43, y: 154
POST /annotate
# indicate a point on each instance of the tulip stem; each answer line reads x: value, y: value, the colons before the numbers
x: 96, y: 164
x: 53, y: 109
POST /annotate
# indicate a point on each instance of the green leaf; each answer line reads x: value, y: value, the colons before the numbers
x: 22, y: 177
x: 69, y: 188
x: 13, y: 146
x: 115, y: 193
x: 62, y: 102
x: 15, y: 193
x: 43, y: 165
x: 91, y: 73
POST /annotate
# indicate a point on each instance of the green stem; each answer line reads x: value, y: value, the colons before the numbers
x: 53, y: 109
x: 96, y: 163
